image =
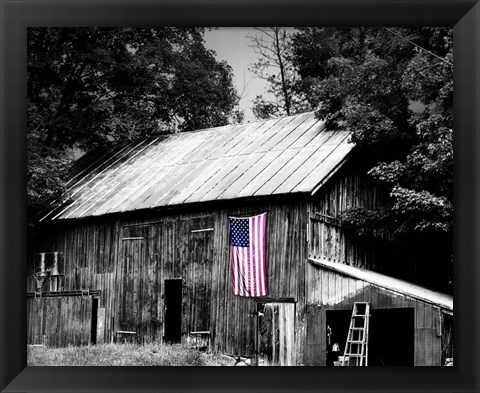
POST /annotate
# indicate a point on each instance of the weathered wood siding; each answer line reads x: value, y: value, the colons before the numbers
x: 276, y: 334
x: 129, y: 258
x: 327, y: 290
x: 447, y: 337
x: 60, y: 320
x: 328, y: 238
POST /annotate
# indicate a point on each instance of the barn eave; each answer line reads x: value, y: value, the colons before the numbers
x: 438, y: 299
x: 191, y: 207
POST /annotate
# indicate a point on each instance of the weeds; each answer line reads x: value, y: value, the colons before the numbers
x: 118, y: 355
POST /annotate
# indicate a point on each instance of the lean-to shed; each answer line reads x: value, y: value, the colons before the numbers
x: 409, y: 325
x: 142, y: 240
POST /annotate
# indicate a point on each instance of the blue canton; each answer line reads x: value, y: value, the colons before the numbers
x: 239, y: 232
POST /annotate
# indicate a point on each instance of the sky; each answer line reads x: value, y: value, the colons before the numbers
x: 231, y: 45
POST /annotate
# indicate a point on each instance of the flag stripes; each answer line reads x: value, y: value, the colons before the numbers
x: 248, y: 252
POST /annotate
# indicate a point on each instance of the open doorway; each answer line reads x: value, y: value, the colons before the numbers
x: 173, y: 311
x: 93, y: 333
x: 391, y: 336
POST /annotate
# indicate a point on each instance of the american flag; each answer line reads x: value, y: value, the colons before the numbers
x: 247, y: 250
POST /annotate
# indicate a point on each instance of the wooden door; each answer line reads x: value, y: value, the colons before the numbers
x: 138, y: 284
x: 58, y: 321
x: 276, y: 334
x: 195, y: 259
x: 198, y: 273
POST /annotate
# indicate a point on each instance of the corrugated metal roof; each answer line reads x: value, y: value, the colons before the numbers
x: 271, y: 157
x: 390, y: 283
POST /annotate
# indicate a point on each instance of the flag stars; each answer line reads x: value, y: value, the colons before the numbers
x: 240, y: 232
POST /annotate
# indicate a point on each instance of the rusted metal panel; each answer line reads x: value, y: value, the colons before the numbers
x: 278, y: 156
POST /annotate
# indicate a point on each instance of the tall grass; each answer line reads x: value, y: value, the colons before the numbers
x: 118, y: 355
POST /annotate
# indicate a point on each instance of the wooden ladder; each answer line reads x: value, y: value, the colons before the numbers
x: 356, y: 349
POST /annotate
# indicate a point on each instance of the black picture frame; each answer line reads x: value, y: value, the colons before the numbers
x: 16, y: 16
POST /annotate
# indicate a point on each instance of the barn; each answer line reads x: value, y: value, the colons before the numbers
x: 139, y: 250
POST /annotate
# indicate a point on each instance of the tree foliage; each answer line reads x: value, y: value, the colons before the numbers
x: 393, y: 89
x: 91, y: 86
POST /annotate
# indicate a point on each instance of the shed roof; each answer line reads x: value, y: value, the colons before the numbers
x: 390, y: 283
x: 278, y: 156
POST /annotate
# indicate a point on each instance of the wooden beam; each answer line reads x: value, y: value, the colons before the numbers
x: 202, y: 230
x: 94, y: 293
x: 327, y: 219
x: 275, y: 300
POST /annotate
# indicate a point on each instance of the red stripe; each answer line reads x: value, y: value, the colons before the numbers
x: 234, y: 271
x: 263, y: 258
x: 255, y: 258
x: 246, y: 267
x: 264, y: 246
x: 241, y: 282
x: 252, y: 259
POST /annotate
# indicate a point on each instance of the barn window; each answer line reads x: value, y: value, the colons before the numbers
x: 48, y: 273
x: 134, y: 232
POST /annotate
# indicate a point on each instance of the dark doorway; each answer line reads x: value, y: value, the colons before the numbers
x: 173, y: 310
x: 94, y: 320
x: 391, y: 339
x: 391, y: 336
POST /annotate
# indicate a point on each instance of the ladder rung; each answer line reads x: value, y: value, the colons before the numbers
x: 356, y: 341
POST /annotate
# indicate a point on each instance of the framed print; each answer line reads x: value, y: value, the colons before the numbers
x: 247, y: 236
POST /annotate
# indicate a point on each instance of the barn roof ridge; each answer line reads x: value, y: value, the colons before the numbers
x: 286, y: 155
x: 240, y: 124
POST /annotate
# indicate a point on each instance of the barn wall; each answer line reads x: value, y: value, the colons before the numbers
x: 106, y: 254
x: 447, y: 334
x: 329, y: 238
x: 327, y: 290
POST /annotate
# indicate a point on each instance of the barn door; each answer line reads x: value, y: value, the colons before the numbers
x: 276, y: 334
x: 137, y: 281
x: 195, y: 258
x: 58, y: 321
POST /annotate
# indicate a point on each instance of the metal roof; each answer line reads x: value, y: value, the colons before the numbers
x: 415, y: 291
x: 278, y: 156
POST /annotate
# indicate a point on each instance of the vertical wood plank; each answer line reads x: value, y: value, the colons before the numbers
x: 419, y: 334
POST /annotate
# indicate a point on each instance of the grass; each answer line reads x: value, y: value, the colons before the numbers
x: 123, y: 355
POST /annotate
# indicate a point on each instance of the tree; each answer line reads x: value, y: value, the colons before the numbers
x: 274, y: 65
x: 366, y: 80
x: 88, y: 87
x: 393, y: 89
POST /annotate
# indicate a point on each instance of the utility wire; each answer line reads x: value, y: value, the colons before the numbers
x: 418, y: 46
